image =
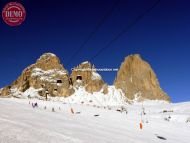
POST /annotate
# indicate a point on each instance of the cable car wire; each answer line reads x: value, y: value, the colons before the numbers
x: 116, y: 3
x: 125, y: 30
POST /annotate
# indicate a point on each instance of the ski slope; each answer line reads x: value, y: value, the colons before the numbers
x: 21, y: 123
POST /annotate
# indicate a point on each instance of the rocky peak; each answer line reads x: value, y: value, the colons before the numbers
x: 85, y: 75
x: 85, y: 64
x: 83, y: 71
x: 48, y: 61
x: 136, y: 78
x: 47, y: 75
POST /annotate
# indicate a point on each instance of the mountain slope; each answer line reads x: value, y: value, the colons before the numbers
x: 27, y: 124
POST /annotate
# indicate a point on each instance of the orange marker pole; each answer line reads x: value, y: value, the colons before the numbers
x: 141, y: 125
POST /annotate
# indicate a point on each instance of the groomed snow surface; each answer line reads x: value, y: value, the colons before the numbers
x: 114, y: 97
x: 53, y: 122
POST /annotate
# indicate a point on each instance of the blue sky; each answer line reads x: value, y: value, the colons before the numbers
x: 161, y: 37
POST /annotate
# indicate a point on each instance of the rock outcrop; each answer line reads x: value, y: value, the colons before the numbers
x: 137, y: 79
x: 48, y: 77
x: 5, y: 91
x: 47, y: 74
x: 85, y: 75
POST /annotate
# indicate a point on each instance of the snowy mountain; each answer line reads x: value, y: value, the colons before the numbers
x: 48, y: 79
x: 46, y: 104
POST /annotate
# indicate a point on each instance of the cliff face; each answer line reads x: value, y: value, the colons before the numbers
x: 85, y: 75
x: 49, y: 77
x: 5, y: 91
x: 137, y: 79
x: 47, y: 74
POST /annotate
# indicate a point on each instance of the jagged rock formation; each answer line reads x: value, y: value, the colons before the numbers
x: 136, y: 78
x: 85, y: 75
x: 48, y: 77
x: 5, y: 91
x: 47, y: 74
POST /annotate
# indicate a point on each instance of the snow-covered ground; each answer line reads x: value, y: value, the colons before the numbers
x: 114, y: 97
x: 162, y: 122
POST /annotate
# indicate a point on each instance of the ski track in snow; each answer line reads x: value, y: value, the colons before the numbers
x: 20, y: 123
